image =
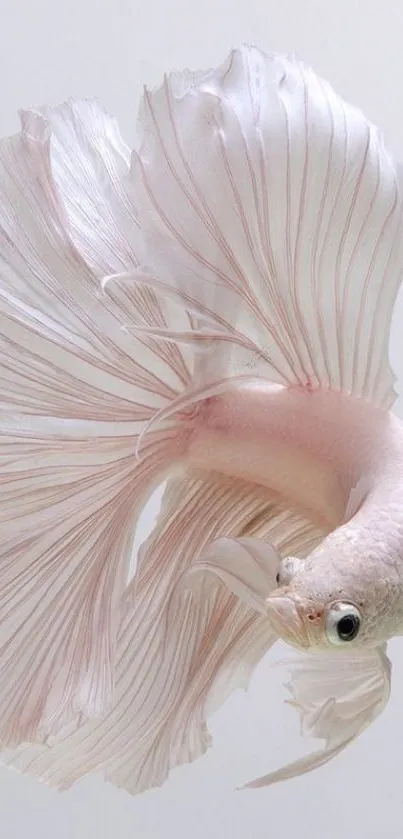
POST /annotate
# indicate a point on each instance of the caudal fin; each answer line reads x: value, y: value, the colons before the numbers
x: 193, y: 628
x: 76, y: 389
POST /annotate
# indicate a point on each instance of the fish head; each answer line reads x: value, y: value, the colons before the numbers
x: 328, y: 604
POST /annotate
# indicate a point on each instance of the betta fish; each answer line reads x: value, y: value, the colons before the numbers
x: 209, y: 313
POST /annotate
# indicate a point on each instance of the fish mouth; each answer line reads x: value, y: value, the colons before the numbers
x: 286, y: 616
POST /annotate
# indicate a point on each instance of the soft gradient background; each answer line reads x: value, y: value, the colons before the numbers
x: 53, y: 49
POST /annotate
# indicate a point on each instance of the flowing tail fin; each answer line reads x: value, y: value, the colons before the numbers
x: 76, y: 389
x: 193, y: 628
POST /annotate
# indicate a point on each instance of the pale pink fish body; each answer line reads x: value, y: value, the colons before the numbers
x: 212, y: 310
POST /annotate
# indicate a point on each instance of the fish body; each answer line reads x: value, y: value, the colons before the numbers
x: 210, y: 311
x: 339, y: 463
x: 312, y: 447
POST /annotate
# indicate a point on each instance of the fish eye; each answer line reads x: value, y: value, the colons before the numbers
x: 343, y: 622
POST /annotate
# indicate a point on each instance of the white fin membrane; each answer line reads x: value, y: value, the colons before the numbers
x: 272, y: 207
x: 183, y: 646
x: 337, y: 698
x: 75, y: 391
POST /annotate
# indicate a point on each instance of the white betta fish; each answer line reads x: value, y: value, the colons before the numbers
x: 212, y: 310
